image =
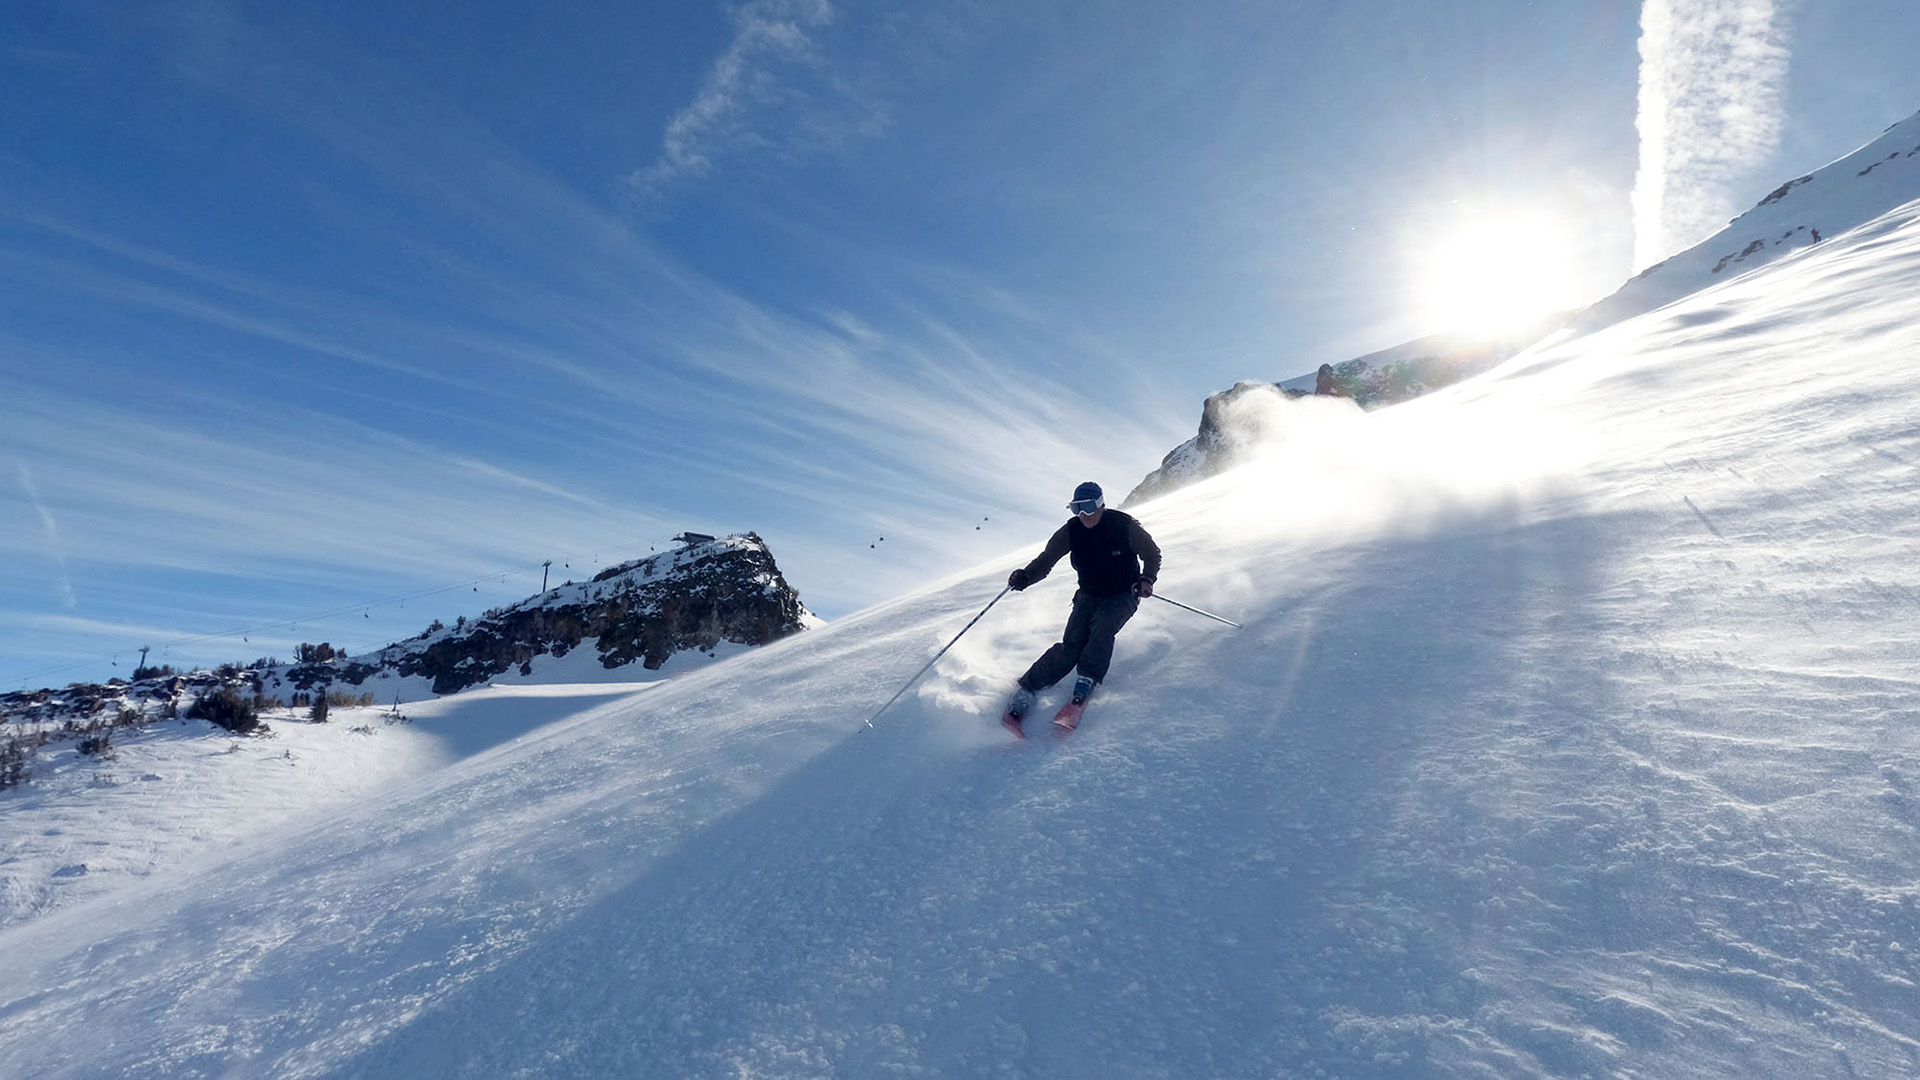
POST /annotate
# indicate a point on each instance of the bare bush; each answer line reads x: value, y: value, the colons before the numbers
x: 227, y: 708
x: 13, y: 762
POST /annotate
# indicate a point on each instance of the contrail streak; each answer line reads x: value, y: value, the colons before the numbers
x: 1712, y: 95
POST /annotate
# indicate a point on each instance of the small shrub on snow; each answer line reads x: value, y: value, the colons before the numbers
x: 228, y: 709
x: 13, y: 764
x: 317, y: 654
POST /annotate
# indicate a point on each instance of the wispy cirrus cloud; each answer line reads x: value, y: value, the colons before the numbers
x: 774, y: 89
x: 50, y: 531
x: 720, y: 413
x: 1712, y: 102
x: 512, y: 371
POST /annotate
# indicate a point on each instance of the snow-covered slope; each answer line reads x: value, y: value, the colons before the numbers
x: 173, y: 793
x: 1572, y: 732
x: 171, y: 789
x: 1802, y: 212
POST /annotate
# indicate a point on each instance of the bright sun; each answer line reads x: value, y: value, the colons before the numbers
x: 1495, y: 271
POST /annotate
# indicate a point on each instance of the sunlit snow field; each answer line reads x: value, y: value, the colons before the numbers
x: 1572, y: 732
x: 175, y: 792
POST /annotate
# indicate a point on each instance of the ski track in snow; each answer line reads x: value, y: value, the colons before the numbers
x: 1572, y: 733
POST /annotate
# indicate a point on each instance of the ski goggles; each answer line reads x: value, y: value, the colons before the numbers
x: 1086, y: 506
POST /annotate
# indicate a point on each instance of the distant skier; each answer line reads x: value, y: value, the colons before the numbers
x: 1117, y: 562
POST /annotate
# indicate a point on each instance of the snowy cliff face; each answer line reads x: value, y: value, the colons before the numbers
x: 645, y: 611
x: 1877, y: 178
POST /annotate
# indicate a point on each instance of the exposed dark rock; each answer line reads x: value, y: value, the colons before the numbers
x: 644, y: 611
x: 1235, y: 420
x: 693, y: 597
x: 1781, y: 192
x: 1223, y: 438
x: 75, y: 711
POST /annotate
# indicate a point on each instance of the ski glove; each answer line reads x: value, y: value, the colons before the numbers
x: 1019, y: 579
x: 1143, y: 588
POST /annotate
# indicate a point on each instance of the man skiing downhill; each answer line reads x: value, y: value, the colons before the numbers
x: 1117, y: 562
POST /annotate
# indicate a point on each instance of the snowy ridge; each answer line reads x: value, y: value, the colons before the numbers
x: 1798, y: 214
x: 1878, y: 177
x: 1571, y: 733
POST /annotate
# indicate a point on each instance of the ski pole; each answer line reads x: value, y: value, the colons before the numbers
x: 1197, y: 611
x: 938, y: 655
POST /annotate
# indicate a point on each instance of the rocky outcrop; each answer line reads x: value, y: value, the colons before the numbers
x: 709, y: 590
x: 1235, y: 420
x: 84, y: 708
x: 693, y: 598
x: 1230, y: 424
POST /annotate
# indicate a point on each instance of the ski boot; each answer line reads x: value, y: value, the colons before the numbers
x: 1017, y: 707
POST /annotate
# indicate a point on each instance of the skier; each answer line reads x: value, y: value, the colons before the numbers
x: 1117, y: 562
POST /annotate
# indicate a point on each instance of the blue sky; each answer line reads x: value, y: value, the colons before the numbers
x: 305, y: 308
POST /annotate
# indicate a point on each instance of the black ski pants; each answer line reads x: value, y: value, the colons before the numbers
x: 1088, y: 641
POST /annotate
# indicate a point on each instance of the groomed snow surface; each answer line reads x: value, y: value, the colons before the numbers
x: 1572, y: 733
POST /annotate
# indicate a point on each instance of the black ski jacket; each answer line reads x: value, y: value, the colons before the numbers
x: 1108, y: 557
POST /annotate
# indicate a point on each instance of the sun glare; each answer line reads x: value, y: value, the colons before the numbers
x: 1494, y: 272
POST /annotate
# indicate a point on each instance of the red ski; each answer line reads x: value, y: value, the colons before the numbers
x: 1012, y: 723
x: 1068, y: 717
